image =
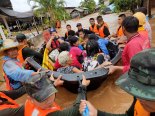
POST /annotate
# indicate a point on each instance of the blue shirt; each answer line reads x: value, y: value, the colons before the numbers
x: 102, y: 44
x: 15, y: 72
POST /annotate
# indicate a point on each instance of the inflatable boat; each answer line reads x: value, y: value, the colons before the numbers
x: 96, y: 76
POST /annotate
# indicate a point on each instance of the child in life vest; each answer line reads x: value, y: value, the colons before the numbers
x: 65, y: 60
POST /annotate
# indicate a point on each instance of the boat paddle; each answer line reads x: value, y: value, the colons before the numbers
x: 86, y: 111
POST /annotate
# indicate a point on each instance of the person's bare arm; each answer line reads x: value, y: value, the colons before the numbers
x: 76, y: 70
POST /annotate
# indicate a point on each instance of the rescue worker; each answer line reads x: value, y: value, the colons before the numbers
x: 119, y: 31
x: 103, y: 27
x: 69, y: 28
x: 13, y: 71
x: 135, y: 43
x: 7, y: 103
x: 25, y: 52
x: 139, y: 81
x: 93, y: 27
x: 142, y: 31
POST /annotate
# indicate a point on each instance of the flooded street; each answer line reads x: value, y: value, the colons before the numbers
x: 108, y: 97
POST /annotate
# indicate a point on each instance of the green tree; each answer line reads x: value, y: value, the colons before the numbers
x: 90, y: 4
x: 123, y: 5
x: 101, y: 2
x: 53, y: 10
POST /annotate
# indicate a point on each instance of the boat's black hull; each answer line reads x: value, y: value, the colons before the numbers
x: 96, y: 76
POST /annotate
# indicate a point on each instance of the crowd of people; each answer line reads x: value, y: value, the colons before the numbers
x: 78, y: 52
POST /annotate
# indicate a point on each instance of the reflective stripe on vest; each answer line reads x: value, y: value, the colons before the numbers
x: 6, y: 106
x: 120, y: 32
x: 101, y: 29
x: 20, y: 55
x: 8, y: 86
x: 139, y: 110
x: 95, y: 30
x: 32, y: 110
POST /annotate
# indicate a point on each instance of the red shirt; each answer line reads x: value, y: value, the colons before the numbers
x: 75, y: 52
x: 135, y: 45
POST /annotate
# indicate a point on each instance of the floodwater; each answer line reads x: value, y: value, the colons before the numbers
x: 108, y: 97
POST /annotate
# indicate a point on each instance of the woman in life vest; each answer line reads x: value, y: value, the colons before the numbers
x: 42, y: 94
x: 139, y: 81
x: 13, y: 71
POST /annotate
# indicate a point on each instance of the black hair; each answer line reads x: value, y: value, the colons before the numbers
x: 81, y: 31
x: 91, y: 19
x: 64, y: 47
x: 72, y: 40
x: 142, y: 10
x: 86, y: 36
x: 122, y: 16
x: 92, y: 48
x: 71, y: 33
x: 93, y: 37
x: 131, y: 24
x: 68, y: 25
x: 99, y: 18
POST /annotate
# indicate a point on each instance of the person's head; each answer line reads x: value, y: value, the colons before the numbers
x: 92, y: 21
x: 68, y: 27
x: 139, y: 81
x: 71, y: 33
x: 142, y: 9
x: 121, y: 17
x: 74, y: 41
x: 100, y: 20
x: 64, y: 58
x: 92, y: 48
x: 53, y: 32
x: 81, y: 34
x: 64, y: 47
x: 40, y: 90
x: 10, y: 48
x: 79, y: 26
x: 93, y: 37
x: 130, y: 25
x: 21, y: 38
x: 142, y: 20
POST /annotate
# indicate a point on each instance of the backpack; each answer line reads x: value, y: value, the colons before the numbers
x: 89, y: 64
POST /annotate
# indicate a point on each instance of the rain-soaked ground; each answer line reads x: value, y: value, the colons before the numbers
x: 108, y: 96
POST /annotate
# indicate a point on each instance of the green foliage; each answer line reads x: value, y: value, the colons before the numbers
x: 55, y: 9
x: 90, y: 4
x: 101, y: 2
x: 123, y: 5
x: 102, y: 7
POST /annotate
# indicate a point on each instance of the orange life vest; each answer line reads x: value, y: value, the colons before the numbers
x: 58, y: 24
x: 120, y: 31
x: 139, y: 110
x: 20, y: 55
x: 95, y: 30
x: 101, y: 29
x: 66, y: 33
x: 8, y: 86
x: 6, y: 106
x: 31, y: 109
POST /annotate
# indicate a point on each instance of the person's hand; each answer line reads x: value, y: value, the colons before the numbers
x: 52, y: 78
x: 58, y: 81
x: 112, y: 69
x: 25, y: 62
x: 84, y: 81
x: 92, y: 109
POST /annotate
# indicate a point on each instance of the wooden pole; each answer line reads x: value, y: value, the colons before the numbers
x: 149, y: 8
x: 6, y: 24
x: 2, y: 33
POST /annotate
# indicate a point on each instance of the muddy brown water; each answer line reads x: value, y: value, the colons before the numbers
x: 108, y: 96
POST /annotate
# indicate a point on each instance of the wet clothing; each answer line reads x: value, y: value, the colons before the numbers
x: 130, y: 112
x: 102, y: 44
x: 86, y: 31
x: 13, y: 109
x: 15, y: 73
x: 66, y: 70
x: 72, y: 111
x: 134, y: 45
